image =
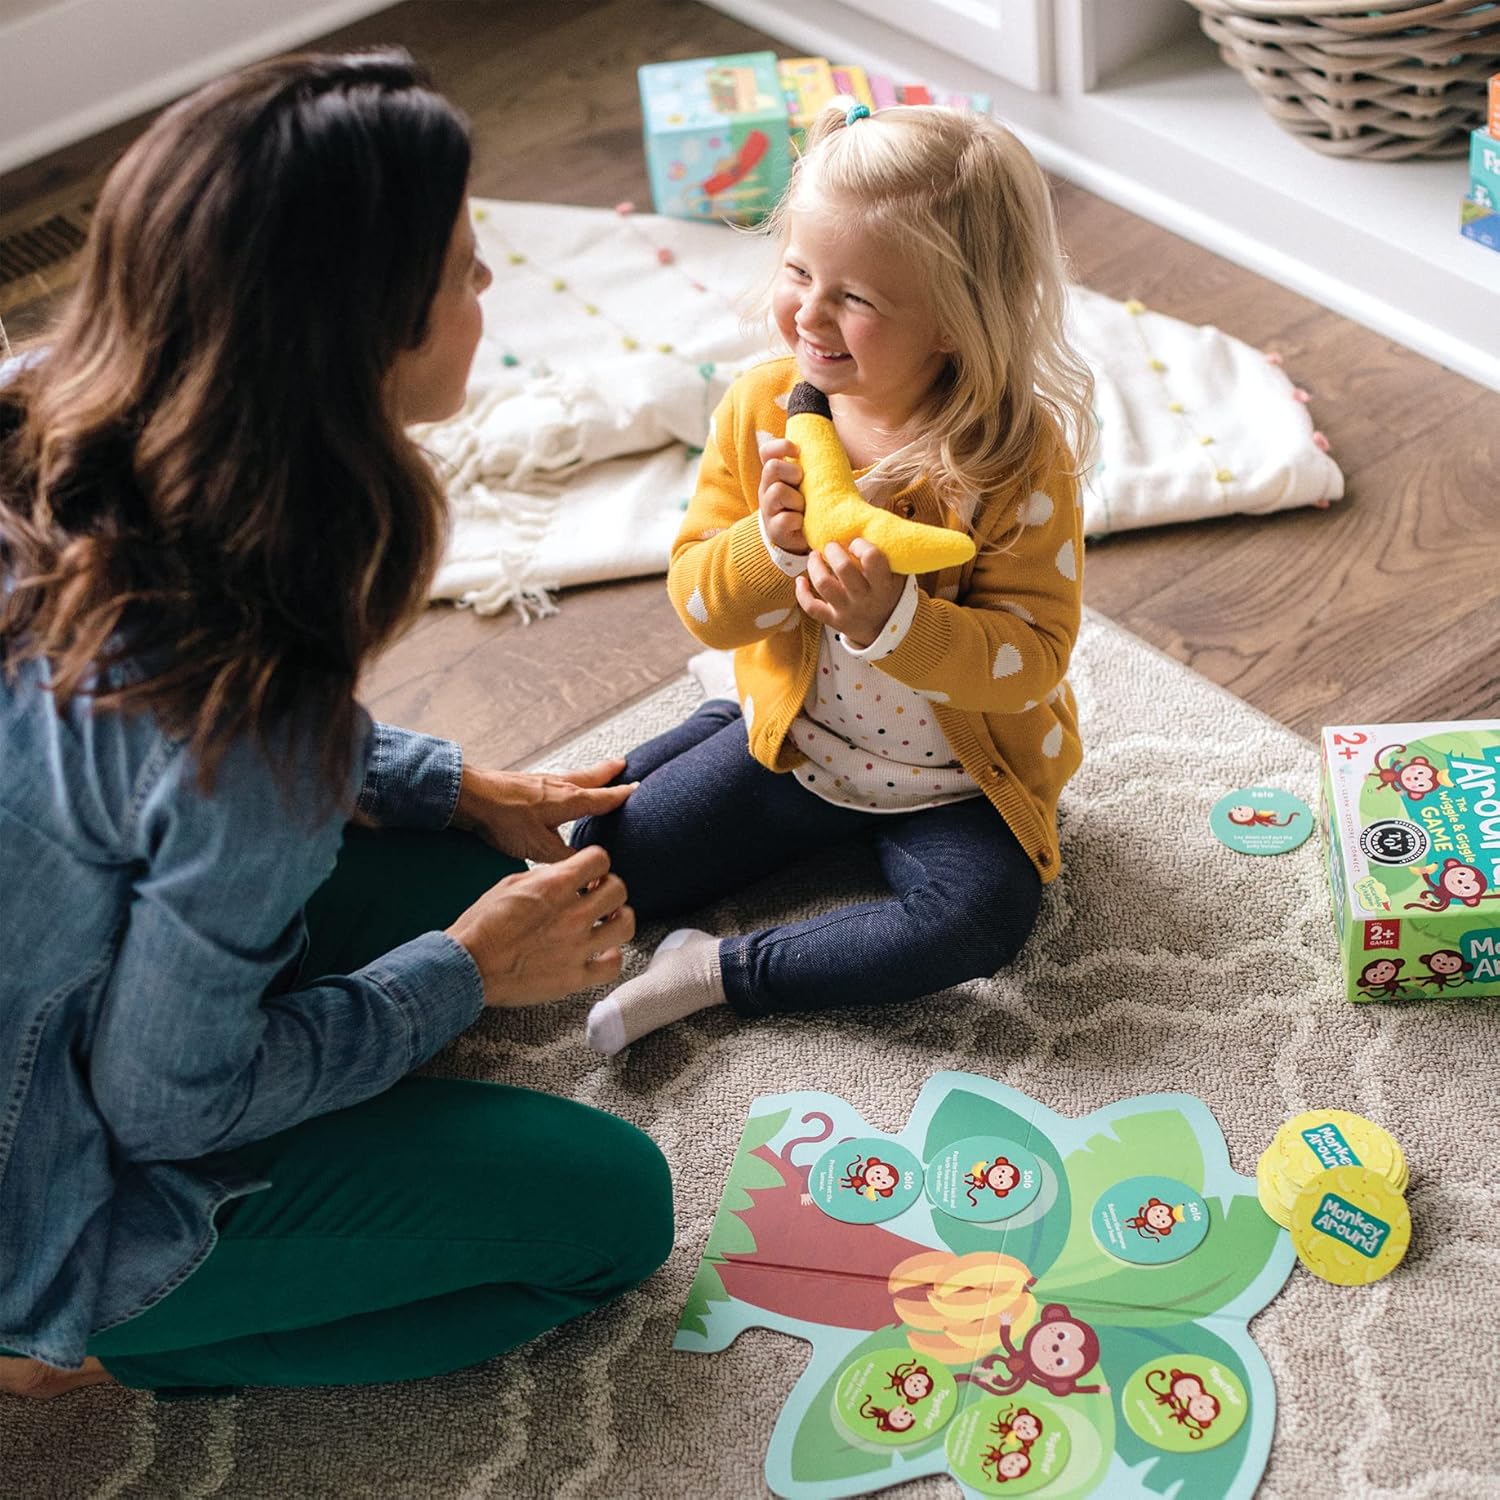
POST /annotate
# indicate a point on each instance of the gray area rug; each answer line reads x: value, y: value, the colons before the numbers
x: 1162, y: 962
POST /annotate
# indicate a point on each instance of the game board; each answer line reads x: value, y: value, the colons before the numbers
x: 1029, y: 1303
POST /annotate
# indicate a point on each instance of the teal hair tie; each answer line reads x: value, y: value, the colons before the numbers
x: 858, y: 112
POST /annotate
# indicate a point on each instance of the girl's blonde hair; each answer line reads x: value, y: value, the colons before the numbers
x: 961, y: 195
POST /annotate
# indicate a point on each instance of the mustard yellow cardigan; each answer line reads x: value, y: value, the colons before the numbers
x: 989, y: 645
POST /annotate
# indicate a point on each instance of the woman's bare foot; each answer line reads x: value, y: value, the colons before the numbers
x: 30, y: 1377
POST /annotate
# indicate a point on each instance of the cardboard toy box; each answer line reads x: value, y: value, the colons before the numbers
x: 1411, y: 819
x: 808, y: 85
x: 1479, y: 217
x: 1484, y: 168
x: 716, y: 136
x: 1480, y: 222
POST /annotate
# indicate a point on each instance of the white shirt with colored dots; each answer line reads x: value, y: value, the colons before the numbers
x: 871, y: 742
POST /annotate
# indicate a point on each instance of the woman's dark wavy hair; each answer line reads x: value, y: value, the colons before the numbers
x: 204, y: 472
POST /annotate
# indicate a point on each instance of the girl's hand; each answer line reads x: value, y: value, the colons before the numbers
x: 854, y: 591
x: 781, y: 503
x: 519, y: 812
x: 548, y: 932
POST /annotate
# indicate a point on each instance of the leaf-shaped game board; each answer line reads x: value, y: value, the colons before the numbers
x: 1028, y: 1303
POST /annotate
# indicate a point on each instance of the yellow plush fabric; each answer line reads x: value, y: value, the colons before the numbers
x: 837, y: 512
x: 989, y: 644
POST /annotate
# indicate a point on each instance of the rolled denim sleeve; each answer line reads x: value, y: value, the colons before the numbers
x: 411, y: 780
x: 195, y: 1050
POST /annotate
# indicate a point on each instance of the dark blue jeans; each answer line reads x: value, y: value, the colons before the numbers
x: 708, y: 820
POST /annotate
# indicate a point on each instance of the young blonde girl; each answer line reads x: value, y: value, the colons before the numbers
x: 921, y: 289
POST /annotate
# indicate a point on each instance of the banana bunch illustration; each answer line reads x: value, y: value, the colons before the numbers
x: 954, y: 1305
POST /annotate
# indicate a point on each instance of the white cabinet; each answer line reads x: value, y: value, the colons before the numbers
x: 71, y: 67
x: 1009, y: 38
x: 976, y: 43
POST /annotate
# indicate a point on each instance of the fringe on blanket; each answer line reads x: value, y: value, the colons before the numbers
x: 530, y: 458
x: 529, y: 600
x: 517, y: 521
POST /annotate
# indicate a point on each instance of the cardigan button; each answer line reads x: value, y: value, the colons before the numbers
x: 908, y: 509
x: 1044, y: 858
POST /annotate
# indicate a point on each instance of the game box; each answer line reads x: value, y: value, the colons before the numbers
x: 1411, y: 820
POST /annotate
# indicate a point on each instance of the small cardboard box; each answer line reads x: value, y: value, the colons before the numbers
x: 1484, y: 167
x: 808, y: 85
x: 850, y: 80
x: 716, y: 136
x: 1411, y: 821
x: 1480, y: 222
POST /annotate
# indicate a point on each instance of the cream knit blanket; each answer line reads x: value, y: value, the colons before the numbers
x: 610, y: 338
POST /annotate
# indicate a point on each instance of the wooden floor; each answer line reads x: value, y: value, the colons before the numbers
x: 1383, y: 607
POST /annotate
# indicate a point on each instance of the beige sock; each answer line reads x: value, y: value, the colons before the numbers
x: 682, y: 977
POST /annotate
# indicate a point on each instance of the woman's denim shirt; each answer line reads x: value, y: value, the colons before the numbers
x: 149, y: 936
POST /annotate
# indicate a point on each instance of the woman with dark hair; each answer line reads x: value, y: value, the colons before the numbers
x: 236, y: 913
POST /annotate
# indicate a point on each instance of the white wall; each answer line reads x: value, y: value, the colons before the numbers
x: 11, y: 10
x: 71, y: 67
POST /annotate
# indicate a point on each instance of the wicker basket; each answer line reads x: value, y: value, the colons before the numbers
x: 1404, y: 79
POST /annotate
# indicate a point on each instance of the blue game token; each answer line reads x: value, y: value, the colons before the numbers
x: 1149, y: 1221
x: 984, y: 1178
x: 866, y: 1180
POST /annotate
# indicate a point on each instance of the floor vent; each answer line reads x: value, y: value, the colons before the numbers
x: 41, y: 258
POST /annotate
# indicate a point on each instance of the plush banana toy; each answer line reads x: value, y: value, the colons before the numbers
x: 837, y: 512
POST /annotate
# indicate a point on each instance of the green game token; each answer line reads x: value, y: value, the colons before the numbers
x: 1005, y: 1445
x: 1184, y: 1403
x: 1261, y: 820
x: 891, y: 1397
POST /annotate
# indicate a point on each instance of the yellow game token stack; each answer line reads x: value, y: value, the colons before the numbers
x: 1336, y: 1181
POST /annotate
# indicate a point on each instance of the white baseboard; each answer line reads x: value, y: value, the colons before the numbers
x: 75, y: 67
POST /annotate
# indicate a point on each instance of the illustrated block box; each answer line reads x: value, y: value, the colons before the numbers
x: 1480, y: 222
x: 852, y: 81
x: 716, y: 136
x: 1411, y: 820
x: 1484, y: 169
x: 807, y: 83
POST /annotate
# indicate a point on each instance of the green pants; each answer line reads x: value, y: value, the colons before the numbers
x: 429, y: 1228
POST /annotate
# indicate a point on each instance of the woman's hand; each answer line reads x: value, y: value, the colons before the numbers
x: 548, y: 932
x: 854, y: 591
x: 519, y: 812
x: 781, y: 503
